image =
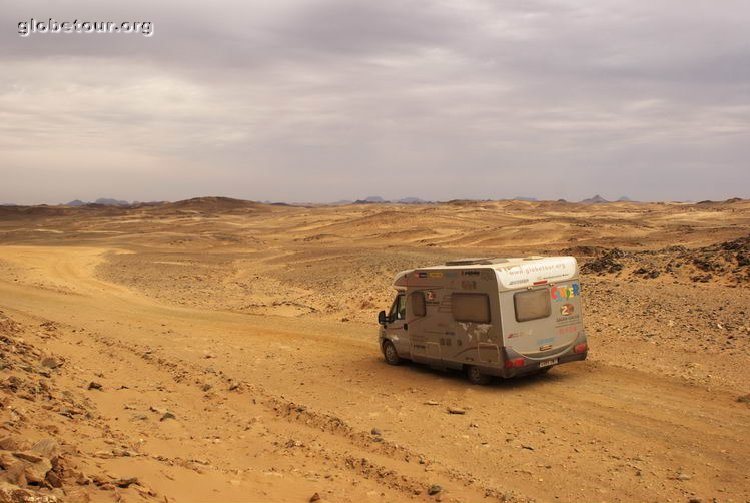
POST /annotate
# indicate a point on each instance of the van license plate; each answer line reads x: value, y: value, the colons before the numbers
x: 547, y: 363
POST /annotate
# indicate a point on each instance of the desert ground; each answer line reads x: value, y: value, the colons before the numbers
x: 222, y: 350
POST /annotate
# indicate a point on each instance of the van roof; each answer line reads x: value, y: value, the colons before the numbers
x: 512, y: 273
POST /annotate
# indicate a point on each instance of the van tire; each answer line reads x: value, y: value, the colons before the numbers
x: 476, y: 376
x: 390, y: 354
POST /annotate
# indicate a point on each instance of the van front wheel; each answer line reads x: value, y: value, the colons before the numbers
x: 476, y: 376
x: 390, y: 353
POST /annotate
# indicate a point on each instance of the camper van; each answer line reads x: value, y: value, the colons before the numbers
x: 487, y: 317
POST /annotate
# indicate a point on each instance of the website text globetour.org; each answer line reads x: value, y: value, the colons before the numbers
x: 46, y: 26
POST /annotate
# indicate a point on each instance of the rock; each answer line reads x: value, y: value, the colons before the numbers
x: 683, y: 476
x: 431, y: 402
x: 36, y: 473
x: 376, y: 431
x: 456, y: 410
x: 13, y: 494
x: 14, y: 444
x: 695, y: 500
x: 95, y: 385
x: 12, y: 469
x: 744, y: 398
x: 315, y: 497
x: 28, y: 456
x: 140, y: 417
x: 54, y: 479
x: 434, y: 489
x: 125, y: 483
x: 67, y: 412
x: 206, y: 387
x: 528, y: 447
x: 80, y: 478
x: 51, y: 362
x: 167, y: 415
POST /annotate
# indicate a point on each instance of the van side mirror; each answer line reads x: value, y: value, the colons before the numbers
x: 382, y: 318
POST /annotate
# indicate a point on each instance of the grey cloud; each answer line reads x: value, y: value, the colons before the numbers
x: 321, y: 100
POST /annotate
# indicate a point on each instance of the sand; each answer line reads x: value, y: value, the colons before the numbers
x: 233, y: 351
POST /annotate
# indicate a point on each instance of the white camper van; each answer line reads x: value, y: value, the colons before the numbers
x: 488, y: 317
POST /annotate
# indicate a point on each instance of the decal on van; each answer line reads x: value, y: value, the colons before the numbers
x: 563, y: 293
x: 567, y: 309
x: 567, y: 330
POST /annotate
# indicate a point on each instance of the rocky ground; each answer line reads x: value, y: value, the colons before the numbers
x: 43, y: 422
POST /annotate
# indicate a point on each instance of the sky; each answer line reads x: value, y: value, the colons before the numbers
x: 322, y: 100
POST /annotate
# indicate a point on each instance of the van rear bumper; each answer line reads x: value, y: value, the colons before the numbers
x: 533, y: 367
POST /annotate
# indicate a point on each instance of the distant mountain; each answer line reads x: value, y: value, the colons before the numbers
x: 106, y: 201
x: 370, y: 199
x: 624, y: 199
x: 343, y: 201
x: 525, y: 198
x: 595, y: 200
x: 411, y: 200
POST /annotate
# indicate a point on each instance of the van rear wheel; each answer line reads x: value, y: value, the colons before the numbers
x: 476, y: 376
x: 390, y: 353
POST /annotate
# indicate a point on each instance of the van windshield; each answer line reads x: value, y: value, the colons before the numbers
x: 398, y: 310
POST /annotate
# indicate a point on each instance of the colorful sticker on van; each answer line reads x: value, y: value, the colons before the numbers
x: 564, y: 292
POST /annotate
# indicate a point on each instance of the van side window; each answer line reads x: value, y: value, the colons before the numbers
x: 418, y: 304
x: 471, y: 307
x: 532, y: 305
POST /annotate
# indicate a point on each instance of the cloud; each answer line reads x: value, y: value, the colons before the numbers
x: 321, y: 100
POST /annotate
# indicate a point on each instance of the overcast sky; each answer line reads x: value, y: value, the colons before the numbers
x: 324, y: 100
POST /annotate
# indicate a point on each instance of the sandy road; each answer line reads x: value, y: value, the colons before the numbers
x: 586, y: 431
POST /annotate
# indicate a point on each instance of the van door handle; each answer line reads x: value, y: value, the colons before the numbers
x: 406, y: 326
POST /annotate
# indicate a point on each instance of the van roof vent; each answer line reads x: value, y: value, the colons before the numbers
x: 476, y: 261
x: 469, y: 261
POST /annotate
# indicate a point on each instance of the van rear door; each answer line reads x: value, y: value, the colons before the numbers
x: 543, y: 321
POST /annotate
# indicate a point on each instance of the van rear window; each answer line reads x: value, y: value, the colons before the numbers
x: 471, y: 307
x: 532, y: 305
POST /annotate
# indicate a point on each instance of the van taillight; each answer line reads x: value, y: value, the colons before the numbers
x: 517, y: 363
x: 580, y: 348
